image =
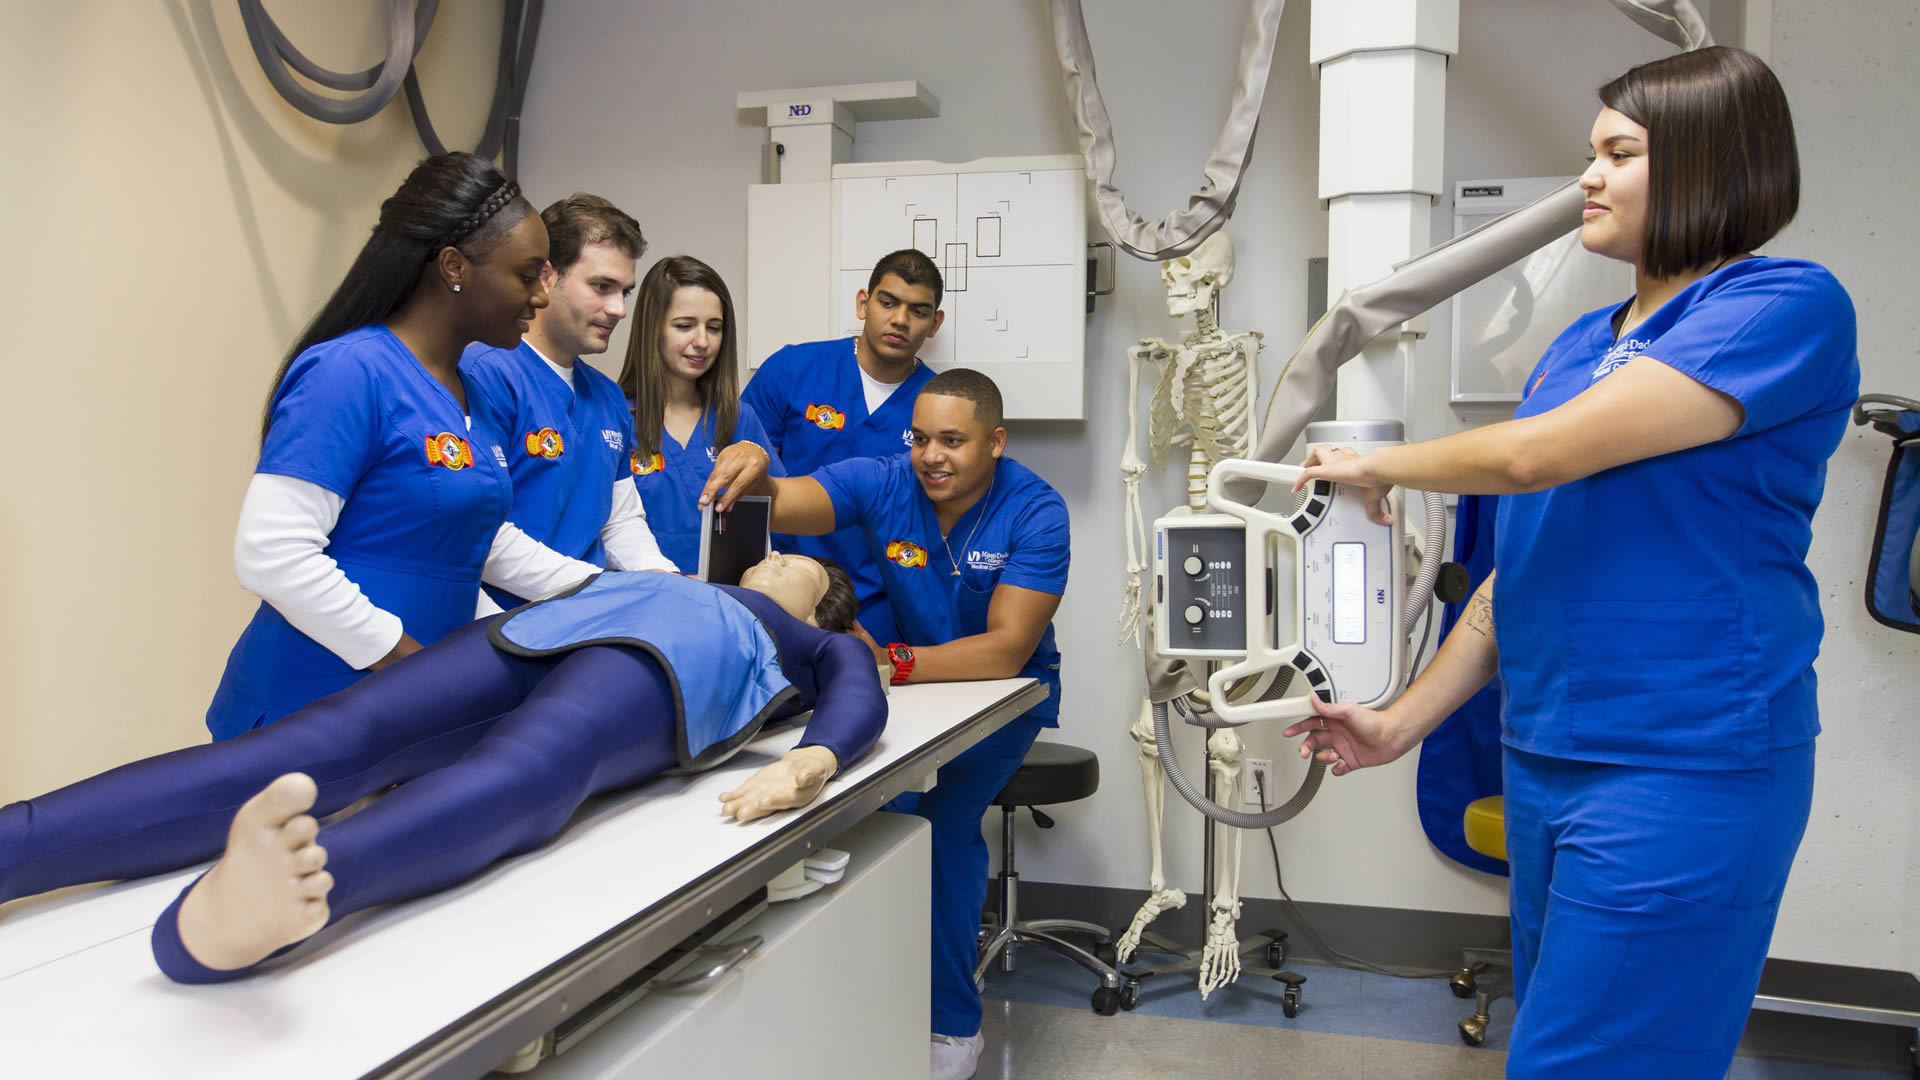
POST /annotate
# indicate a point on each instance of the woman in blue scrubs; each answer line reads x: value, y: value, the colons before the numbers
x: 1651, y: 612
x: 683, y: 375
x: 375, y: 503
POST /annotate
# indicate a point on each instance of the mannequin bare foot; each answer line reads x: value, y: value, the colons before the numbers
x: 269, y: 890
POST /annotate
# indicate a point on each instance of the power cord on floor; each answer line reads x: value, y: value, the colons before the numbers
x: 1335, y: 956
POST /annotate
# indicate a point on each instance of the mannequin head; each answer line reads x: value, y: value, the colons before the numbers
x: 817, y: 591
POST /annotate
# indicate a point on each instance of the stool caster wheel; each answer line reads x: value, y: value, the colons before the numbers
x: 1107, y: 954
x: 1106, y: 1002
x: 1473, y: 1031
x: 1290, y: 1002
x: 1463, y: 983
x: 1276, y: 948
x: 1130, y: 994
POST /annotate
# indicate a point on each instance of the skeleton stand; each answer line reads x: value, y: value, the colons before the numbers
x: 1269, y: 946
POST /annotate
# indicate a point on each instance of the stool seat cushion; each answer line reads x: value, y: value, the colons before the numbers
x: 1486, y: 826
x: 1052, y: 773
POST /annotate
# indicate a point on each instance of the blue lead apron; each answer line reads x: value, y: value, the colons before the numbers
x: 720, y: 661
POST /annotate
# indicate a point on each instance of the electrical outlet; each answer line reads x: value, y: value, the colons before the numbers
x: 1260, y: 769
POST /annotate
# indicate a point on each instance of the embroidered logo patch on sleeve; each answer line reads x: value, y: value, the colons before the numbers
x: 906, y: 553
x: 545, y: 443
x: 449, y: 451
x: 642, y: 465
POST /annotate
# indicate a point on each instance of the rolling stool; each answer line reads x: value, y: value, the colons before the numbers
x: 1485, y: 974
x: 1052, y: 773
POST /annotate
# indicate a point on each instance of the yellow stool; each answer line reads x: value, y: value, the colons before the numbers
x: 1485, y: 974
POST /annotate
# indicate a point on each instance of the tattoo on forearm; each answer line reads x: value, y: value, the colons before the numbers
x: 1480, y: 614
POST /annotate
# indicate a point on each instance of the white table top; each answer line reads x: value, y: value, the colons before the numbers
x: 80, y: 995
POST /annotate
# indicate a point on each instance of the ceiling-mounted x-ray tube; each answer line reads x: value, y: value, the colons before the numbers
x: 1208, y: 208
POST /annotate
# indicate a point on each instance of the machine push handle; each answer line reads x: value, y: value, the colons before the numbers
x: 725, y: 959
x: 1263, y: 654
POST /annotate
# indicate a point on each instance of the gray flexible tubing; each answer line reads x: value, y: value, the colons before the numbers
x: 518, y: 35
x: 1208, y: 208
x: 376, y: 86
x: 406, y: 31
x: 1419, y: 597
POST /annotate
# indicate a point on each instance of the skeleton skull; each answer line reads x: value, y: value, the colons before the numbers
x: 1192, y: 279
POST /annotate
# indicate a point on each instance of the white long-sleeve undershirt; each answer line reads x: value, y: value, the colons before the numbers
x: 279, y: 555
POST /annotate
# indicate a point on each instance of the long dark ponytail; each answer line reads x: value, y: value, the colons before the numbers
x: 449, y: 200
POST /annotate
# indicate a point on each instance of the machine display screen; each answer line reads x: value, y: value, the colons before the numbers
x: 1350, y: 594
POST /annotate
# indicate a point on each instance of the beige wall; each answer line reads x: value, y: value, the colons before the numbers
x: 170, y: 224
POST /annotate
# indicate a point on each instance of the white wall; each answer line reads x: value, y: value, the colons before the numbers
x: 638, y: 105
x: 1849, y: 71
x: 170, y: 226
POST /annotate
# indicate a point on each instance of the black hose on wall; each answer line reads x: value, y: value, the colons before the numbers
x: 376, y: 86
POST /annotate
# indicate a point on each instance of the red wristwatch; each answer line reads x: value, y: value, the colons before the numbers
x: 901, y: 657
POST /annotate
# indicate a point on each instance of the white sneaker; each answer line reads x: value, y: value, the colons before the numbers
x: 956, y: 1058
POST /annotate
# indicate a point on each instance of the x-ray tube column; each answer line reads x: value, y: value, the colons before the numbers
x: 1383, y: 83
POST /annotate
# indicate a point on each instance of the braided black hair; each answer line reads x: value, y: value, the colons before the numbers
x: 454, y: 200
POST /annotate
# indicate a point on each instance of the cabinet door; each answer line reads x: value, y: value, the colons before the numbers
x: 838, y: 990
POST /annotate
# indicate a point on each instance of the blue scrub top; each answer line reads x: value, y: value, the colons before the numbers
x: 814, y: 405
x: 425, y: 494
x: 566, y: 442
x: 671, y: 480
x: 1015, y: 535
x: 1661, y: 613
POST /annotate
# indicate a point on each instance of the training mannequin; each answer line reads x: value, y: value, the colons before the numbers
x: 497, y: 734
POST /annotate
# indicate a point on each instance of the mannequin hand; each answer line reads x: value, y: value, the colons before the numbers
x: 1349, y: 737
x: 1342, y: 466
x: 794, y: 780
x: 735, y: 472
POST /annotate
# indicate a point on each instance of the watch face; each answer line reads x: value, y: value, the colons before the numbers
x: 901, y: 654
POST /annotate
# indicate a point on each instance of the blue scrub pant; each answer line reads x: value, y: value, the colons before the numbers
x: 496, y: 752
x: 965, y: 789
x: 1643, y: 901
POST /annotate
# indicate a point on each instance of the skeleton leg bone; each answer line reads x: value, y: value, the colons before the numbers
x: 1160, y: 898
x: 1220, y: 959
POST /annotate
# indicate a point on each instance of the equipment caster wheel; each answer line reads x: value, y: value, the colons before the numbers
x: 1107, y: 954
x: 1277, y: 955
x: 1130, y: 994
x: 1463, y: 983
x: 1106, y: 1002
x: 1290, y: 1002
x: 1473, y: 1031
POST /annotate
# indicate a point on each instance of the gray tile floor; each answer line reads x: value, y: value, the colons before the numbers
x: 1351, y: 1026
x: 1030, y: 1042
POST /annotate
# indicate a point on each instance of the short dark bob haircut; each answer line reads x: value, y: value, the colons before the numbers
x: 1723, y: 169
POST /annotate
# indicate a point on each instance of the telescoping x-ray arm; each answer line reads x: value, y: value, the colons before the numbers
x: 1308, y: 380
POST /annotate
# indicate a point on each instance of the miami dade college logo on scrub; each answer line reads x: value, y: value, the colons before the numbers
x: 906, y: 436
x: 1617, y: 357
x: 906, y: 553
x: 449, y: 451
x: 545, y: 443
x: 643, y: 465
x: 826, y: 417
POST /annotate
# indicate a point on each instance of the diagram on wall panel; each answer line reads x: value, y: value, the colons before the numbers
x: 1010, y: 244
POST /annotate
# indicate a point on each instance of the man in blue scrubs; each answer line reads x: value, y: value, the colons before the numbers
x: 972, y: 550
x: 828, y: 401
x: 566, y: 424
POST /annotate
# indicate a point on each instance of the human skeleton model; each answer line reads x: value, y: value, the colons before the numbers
x: 1205, y: 400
